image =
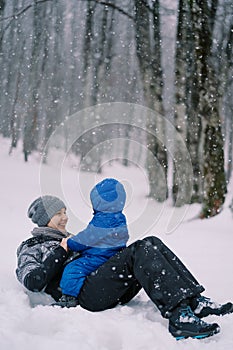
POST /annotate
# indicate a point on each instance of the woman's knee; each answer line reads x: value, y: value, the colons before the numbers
x: 153, y: 240
x: 147, y: 242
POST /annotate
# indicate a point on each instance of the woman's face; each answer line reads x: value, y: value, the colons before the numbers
x: 59, y: 221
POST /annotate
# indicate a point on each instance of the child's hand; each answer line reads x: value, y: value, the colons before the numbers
x: 63, y: 243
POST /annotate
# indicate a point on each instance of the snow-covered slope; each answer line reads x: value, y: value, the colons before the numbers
x: 26, y: 320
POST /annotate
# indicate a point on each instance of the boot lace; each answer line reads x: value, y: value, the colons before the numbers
x: 206, y: 302
x: 187, y: 316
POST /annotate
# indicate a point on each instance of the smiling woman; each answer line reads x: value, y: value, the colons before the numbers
x: 59, y: 221
x: 41, y: 258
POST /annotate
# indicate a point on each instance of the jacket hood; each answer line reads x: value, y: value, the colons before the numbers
x: 108, y: 196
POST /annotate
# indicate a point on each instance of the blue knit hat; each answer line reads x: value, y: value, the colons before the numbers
x: 44, y: 208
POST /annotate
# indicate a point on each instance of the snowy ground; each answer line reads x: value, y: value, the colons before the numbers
x: 26, y: 322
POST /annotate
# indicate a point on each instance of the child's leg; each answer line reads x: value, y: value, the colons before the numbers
x: 73, y: 278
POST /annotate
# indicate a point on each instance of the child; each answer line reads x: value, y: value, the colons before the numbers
x: 104, y: 236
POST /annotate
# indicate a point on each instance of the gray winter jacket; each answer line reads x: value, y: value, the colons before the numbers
x: 41, y: 260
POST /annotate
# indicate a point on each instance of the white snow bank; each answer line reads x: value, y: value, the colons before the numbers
x: 26, y: 320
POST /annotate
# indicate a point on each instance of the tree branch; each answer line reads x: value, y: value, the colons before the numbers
x: 16, y: 15
x: 167, y: 11
x: 115, y: 7
x: 101, y: 2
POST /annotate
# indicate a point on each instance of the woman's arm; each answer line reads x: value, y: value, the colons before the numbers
x: 33, y: 272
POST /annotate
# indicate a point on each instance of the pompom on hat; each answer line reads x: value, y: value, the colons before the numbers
x: 44, y: 208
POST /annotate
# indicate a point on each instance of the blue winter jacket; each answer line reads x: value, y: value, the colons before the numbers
x: 105, y: 235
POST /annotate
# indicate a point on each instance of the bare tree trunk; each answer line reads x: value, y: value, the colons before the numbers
x: 151, y: 75
x: 230, y: 149
x: 15, y: 118
x: 87, y: 51
x: 9, y: 61
x: 2, y: 7
x: 2, y: 119
x: 54, y: 88
x: 76, y: 76
x: 224, y: 53
x: 97, y: 65
x: 15, y: 115
x: 180, y: 171
x: 229, y: 88
x: 194, y: 119
x: 31, y: 121
x: 208, y: 108
x: 157, y: 93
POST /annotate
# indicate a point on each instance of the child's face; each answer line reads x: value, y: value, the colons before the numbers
x: 59, y: 221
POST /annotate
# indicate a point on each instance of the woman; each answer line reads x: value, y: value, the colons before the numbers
x: 146, y: 263
x: 41, y: 259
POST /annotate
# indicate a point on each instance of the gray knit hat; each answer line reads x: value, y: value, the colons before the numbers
x: 44, y: 208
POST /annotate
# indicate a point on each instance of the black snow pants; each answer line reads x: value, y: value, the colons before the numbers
x: 147, y: 264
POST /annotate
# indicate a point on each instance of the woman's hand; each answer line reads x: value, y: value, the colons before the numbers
x: 63, y: 243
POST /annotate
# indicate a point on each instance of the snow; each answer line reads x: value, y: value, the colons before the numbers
x: 26, y: 319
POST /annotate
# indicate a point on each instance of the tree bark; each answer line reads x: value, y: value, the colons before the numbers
x: 181, y: 188
x: 229, y: 89
x: 30, y: 134
x: 9, y: 60
x: 149, y: 59
x: 214, y: 186
x: 2, y: 7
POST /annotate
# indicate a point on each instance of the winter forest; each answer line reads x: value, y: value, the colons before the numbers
x: 165, y: 67
x: 137, y: 90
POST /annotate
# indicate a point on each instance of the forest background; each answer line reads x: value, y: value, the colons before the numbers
x: 60, y: 59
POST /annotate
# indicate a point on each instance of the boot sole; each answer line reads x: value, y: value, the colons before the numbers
x: 194, y: 335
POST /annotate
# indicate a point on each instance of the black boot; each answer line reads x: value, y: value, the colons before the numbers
x: 203, y: 307
x: 184, y: 324
x: 67, y: 301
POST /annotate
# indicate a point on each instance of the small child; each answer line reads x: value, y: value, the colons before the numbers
x: 104, y: 236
